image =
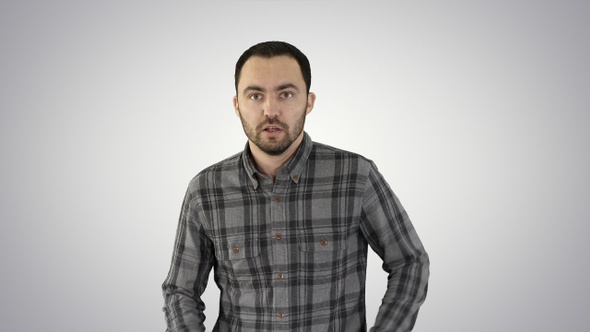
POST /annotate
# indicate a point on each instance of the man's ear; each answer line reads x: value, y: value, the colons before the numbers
x: 236, y: 106
x: 310, y: 102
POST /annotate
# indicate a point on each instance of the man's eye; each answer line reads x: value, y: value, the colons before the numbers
x: 287, y: 95
x: 255, y: 97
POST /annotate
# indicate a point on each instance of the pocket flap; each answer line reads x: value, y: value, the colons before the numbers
x: 240, y: 248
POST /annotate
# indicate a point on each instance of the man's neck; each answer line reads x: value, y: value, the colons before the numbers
x: 269, y: 164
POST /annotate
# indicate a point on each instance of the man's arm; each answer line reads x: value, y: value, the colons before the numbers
x: 189, y: 272
x: 390, y: 233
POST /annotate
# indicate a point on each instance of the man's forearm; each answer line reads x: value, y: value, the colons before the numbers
x: 406, y: 291
x: 183, y: 314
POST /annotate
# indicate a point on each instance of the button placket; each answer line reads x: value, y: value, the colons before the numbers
x: 278, y: 207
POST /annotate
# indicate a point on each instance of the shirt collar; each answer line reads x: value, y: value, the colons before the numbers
x: 292, y: 169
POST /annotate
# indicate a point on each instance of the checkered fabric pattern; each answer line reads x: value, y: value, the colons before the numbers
x: 291, y: 254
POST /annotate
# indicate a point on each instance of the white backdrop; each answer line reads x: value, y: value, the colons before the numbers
x: 477, y: 113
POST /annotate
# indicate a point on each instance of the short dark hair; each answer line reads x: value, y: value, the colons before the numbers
x: 270, y: 49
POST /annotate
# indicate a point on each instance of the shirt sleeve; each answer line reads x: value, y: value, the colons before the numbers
x: 192, y: 261
x: 391, y: 235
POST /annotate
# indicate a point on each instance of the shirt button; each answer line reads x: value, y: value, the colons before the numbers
x: 324, y: 242
x: 295, y: 177
x: 280, y: 276
x: 278, y: 236
x: 281, y: 314
x: 236, y: 250
x: 277, y: 199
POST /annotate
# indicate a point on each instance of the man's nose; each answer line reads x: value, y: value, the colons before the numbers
x: 271, y: 108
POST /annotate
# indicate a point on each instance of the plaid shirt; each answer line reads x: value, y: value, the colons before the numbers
x: 292, y: 254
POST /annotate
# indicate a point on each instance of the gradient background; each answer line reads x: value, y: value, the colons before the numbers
x: 477, y: 113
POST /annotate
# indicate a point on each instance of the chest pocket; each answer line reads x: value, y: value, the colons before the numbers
x: 240, y: 248
x: 239, y: 257
x: 323, y: 253
x: 321, y: 236
x: 321, y: 246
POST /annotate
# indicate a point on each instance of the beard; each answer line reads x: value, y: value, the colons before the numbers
x: 274, y: 146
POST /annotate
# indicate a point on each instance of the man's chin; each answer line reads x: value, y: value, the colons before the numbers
x: 274, y: 148
x: 274, y: 151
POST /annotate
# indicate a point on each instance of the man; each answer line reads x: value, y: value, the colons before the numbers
x: 286, y: 223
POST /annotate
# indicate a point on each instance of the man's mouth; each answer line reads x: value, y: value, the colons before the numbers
x: 272, y: 129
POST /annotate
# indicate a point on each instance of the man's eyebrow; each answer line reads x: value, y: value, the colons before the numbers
x: 253, y: 88
x: 278, y: 88
x: 287, y: 86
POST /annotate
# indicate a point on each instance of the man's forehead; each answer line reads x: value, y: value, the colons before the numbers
x: 271, y: 59
x: 282, y: 67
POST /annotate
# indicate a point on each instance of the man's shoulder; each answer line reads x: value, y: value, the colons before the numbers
x: 324, y: 151
x: 329, y: 157
x: 230, y: 164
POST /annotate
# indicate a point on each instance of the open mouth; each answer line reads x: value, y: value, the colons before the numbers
x: 272, y: 129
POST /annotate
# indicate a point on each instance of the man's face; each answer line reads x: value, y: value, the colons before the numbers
x: 272, y: 103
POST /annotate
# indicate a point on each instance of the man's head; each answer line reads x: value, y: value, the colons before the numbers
x: 271, y: 49
x: 272, y: 97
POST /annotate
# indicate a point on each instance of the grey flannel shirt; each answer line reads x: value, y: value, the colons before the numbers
x: 291, y: 255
